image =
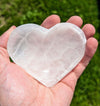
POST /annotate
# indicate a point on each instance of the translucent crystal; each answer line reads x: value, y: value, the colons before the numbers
x: 47, y: 54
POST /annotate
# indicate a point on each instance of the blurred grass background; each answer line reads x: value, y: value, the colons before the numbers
x: 17, y: 12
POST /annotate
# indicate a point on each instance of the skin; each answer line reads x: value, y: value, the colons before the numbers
x: 17, y: 88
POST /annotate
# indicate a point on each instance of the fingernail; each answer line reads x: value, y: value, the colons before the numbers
x: 12, y: 27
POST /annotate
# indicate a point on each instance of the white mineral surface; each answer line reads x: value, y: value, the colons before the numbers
x: 47, y: 54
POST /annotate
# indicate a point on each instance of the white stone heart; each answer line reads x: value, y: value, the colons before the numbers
x: 47, y: 54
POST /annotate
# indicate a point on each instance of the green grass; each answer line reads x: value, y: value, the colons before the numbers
x: 17, y: 12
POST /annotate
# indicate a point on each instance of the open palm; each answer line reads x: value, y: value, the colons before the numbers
x: 17, y: 88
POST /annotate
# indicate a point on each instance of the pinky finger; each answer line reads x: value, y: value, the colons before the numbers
x: 91, y: 48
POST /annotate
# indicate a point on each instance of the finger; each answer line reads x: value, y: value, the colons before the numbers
x: 91, y: 47
x: 76, y: 20
x: 4, y: 37
x: 89, y: 30
x: 71, y: 79
x: 51, y: 21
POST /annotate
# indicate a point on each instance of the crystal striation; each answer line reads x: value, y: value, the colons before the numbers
x: 47, y: 54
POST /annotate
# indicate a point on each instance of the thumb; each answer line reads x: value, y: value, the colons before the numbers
x: 4, y: 37
x: 4, y: 58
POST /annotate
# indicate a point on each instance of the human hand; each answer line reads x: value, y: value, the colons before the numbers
x: 17, y: 88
